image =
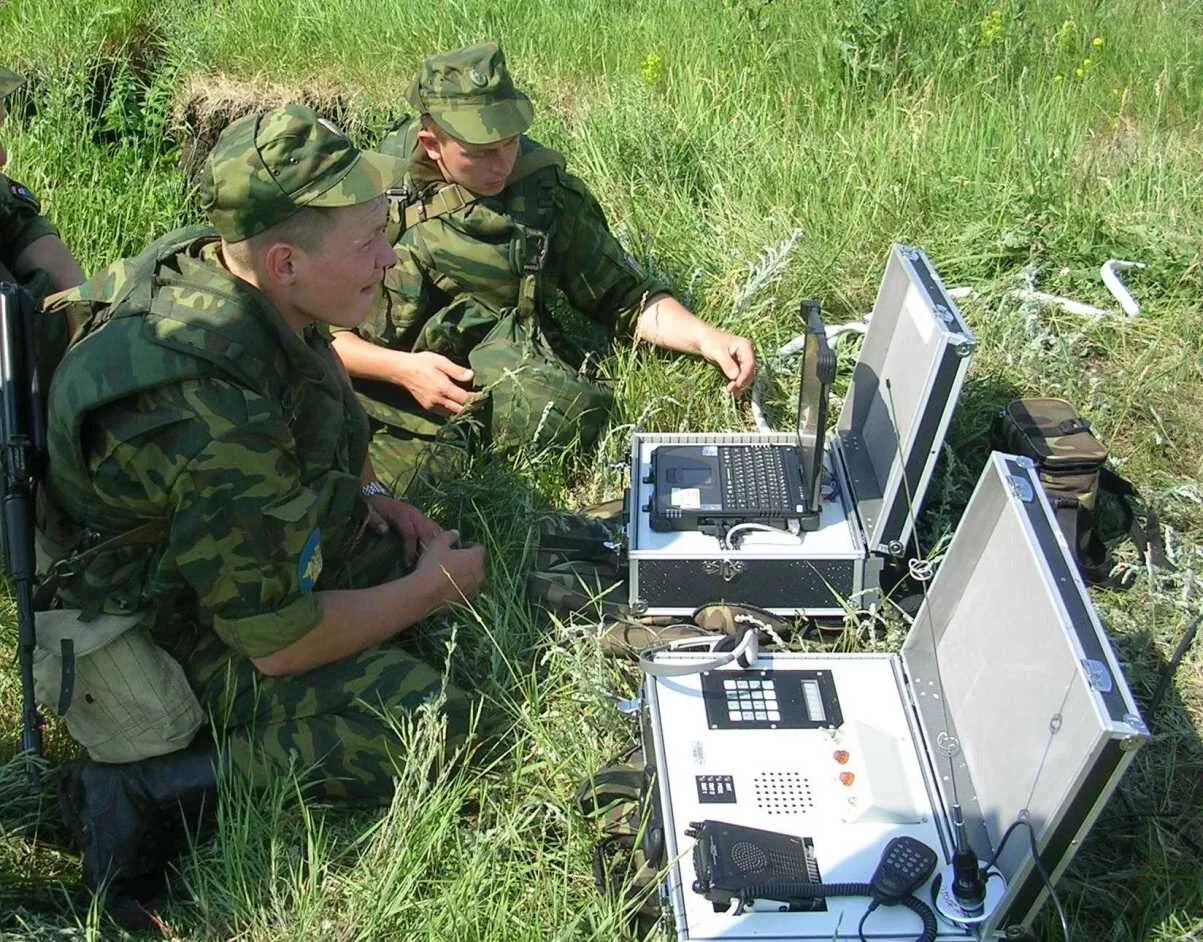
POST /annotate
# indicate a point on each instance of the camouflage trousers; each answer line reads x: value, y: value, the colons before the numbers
x: 414, y: 459
x: 530, y: 398
x: 334, y: 726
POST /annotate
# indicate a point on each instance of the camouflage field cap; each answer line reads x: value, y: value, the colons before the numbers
x: 9, y: 81
x: 470, y: 95
x: 266, y: 167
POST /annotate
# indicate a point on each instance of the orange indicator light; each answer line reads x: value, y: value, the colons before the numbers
x: 847, y: 778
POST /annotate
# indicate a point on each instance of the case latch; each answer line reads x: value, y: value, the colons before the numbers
x: 1098, y: 675
x: 1021, y: 488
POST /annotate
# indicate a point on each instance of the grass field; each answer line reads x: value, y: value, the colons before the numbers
x: 1004, y: 137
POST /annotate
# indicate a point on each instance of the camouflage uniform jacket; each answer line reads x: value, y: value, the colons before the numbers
x: 188, y: 399
x: 461, y: 271
x: 21, y: 224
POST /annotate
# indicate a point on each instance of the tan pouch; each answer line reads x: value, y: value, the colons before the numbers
x: 122, y: 696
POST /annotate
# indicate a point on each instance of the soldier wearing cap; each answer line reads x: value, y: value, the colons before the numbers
x: 208, y: 468
x: 31, y: 251
x: 495, y: 224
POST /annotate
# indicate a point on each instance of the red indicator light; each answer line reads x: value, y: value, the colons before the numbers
x: 841, y: 756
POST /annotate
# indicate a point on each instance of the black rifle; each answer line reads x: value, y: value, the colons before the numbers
x: 23, y: 448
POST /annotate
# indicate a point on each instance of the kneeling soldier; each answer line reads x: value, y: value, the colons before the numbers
x: 209, y: 476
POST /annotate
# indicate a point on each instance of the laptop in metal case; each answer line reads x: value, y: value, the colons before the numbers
x: 721, y: 485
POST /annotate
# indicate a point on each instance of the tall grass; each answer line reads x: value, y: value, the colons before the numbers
x: 710, y: 131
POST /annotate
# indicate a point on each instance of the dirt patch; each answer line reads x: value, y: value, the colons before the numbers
x: 208, y: 103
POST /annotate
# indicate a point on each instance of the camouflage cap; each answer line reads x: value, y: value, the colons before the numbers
x: 9, y: 81
x: 470, y: 95
x: 266, y: 167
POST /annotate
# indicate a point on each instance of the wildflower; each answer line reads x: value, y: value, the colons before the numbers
x: 1058, y: 79
x: 1097, y: 42
x: 1079, y: 71
x: 991, y: 27
x: 1087, y: 64
x: 652, y: 69
x: 1064, y: 34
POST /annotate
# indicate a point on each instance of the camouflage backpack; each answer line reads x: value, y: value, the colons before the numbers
x: 628, y: 858
x: 1095, y: 507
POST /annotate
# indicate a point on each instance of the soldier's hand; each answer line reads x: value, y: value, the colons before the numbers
x: 439, y: 384
x: 413, y: 526
x: 464, y: 567
x: 734, y: 356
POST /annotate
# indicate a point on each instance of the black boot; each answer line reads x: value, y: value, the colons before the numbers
x: 131, y: 820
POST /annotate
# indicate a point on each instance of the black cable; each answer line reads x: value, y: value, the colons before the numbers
x: 860, y: 926
x: 790, y: 891
x: 1039, y: 869
x: 915, y: 905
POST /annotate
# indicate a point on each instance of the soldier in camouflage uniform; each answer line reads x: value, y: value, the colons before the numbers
x: 31, y: 252
x: 203, y: 403
x: 495, y: 222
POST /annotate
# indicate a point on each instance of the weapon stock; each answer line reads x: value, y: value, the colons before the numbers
x: 22, y: 447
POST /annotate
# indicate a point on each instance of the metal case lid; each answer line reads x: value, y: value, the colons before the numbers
x: 903, y: 391
x: 1023, y: 706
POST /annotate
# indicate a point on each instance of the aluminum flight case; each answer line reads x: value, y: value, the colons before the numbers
x: 879, y: 460
x: 1006, y: 696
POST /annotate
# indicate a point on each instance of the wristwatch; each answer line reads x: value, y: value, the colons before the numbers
x: 373, y: 489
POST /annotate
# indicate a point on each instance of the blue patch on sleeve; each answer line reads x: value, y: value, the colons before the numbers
x: 22, y: 193
x: 309, y: 563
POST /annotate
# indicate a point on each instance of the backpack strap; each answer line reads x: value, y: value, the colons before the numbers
x: 149, y: 533
x: 446, y: 199
x: 1147, y: 535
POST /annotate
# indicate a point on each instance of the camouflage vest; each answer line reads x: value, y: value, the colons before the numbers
x: 161, y: 319
x: 488, y: 258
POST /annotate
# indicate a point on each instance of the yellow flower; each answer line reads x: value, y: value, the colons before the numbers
x: 1097, y: 42
x: 1079, y: 72
x: 1087, y: 63
x: 652, y: 69
x: 1057, y: 79
x: 991, y: 28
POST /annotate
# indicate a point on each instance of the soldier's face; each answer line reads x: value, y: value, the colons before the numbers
x: 337, y: 282
x: 482, y: 168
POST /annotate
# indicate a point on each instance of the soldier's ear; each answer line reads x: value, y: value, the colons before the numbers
x: 280, y: 263
x: 430, y: 144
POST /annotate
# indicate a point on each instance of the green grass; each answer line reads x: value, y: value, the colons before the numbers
x: 709, y: 131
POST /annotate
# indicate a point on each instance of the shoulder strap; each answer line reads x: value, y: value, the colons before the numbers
x: 146, y: 534
x: 446, y: 199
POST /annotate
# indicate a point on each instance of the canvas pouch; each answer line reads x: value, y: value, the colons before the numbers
x: 122, y: 696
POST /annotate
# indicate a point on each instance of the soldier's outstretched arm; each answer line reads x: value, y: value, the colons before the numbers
x: 353, y: 620
x: 665, y: 322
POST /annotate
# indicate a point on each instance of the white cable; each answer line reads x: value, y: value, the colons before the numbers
x: 1109, y: 272
x: 748, y: 645
x: 1115, y: 284
x: 761, y: 528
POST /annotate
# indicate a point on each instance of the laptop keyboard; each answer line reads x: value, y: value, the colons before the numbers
x: 754, y: 478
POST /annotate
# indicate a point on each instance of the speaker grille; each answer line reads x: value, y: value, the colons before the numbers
x: 783, y: 793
